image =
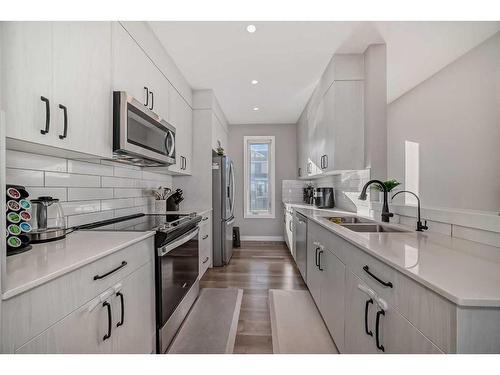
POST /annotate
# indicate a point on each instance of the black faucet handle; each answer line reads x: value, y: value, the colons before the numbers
x: 425, y: 227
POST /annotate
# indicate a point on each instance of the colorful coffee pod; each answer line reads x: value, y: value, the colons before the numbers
x: 13, y: 217
x: 25, y: 215
x: 25, y: 204
x: 13, y: 193
x: 13, y: 205
x: 25, y: 227
x: 14, y: 242
x: 14, y: 229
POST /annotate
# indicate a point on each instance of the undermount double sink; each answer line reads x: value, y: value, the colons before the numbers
x: 359, y: 224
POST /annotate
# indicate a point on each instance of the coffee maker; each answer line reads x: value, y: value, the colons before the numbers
x: 323, y: 197
x: 308, y: 195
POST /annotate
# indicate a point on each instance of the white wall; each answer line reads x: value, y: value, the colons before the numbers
x: 286, y: 169
x: 455, y: 117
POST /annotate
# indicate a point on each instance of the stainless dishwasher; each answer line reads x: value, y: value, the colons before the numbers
x: 300, y: 238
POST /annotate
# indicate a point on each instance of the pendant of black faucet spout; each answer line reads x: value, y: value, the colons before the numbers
x: 385, y: 207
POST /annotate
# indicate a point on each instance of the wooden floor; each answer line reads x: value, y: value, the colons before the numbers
x: 256, y: 268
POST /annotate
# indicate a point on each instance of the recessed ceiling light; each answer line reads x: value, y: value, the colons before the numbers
x: 255, y: 108
x: 254, y: 81
x: 251, y: 28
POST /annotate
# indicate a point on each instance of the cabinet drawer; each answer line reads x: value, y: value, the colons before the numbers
x: 369, y: 269
x: 205, y: 260
x: 433, y: 315
x: 30, y: 313
x: 399, y: 336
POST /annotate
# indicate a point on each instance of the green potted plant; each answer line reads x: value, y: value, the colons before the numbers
x: 390, y: 186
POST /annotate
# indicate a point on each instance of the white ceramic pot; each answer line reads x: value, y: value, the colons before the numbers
x: 160, y: 206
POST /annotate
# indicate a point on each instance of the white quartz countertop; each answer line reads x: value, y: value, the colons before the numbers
x: 464, y: 272
x: 47, y: 261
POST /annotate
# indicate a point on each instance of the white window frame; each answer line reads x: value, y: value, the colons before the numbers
x: 272, y: 188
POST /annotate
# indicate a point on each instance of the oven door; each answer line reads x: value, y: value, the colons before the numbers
x: 176, y: 274
x: 140, y: 132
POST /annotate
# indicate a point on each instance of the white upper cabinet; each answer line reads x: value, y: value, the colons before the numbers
x: 26, y: 78
x: 82, y: 86
x: 181, y: 116
x: 57, y: 73
x: 135, y: 73
x: 331, y: 128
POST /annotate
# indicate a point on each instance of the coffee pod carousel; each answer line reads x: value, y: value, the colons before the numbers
x: 18, y: 218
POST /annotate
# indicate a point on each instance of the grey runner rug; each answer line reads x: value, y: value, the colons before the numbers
x: 211, y: 325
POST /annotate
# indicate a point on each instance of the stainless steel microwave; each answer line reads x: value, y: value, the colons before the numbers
x: 140, y: 136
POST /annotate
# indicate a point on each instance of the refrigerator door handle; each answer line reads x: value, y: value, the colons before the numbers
x: 232, y: 188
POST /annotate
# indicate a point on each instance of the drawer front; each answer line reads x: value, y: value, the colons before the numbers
x: 369, y: 269
x: 433, y: 315
x: 398, y: 336
x: 28, y: 314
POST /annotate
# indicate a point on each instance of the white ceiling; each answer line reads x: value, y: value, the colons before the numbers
x: 287, y: 58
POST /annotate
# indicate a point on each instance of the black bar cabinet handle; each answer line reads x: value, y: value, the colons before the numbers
x: 47, y: 115
x: 205, y: 237
x: 384, y: 283
x: 368, y: 332
x: 316, y: 257
x: 326, y: 161
x: 319, y: 260
x: 205, y: 218
x: 120, y: 323
x: 377, y: 330
x: 152, y: 100
x: 65, y: 130
x: 97, y: 277
x: 108, y: 335
x: 147, y: 96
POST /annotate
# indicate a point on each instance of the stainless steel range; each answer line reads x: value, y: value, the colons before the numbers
x: 176, y: 265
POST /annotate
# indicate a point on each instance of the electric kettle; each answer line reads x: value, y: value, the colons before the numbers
x: 47, y: 220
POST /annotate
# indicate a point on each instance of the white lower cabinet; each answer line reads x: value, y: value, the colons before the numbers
x: 326, y: 282
x: 361, y: 316
x: 101, y: 326
x: 359, y: 336
x: 136, y: 333
x: 205, y: 240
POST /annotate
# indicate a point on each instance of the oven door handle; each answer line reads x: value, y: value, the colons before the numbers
x: 187, y: 237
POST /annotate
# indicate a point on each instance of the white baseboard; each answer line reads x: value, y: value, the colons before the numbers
x: 262, y: 238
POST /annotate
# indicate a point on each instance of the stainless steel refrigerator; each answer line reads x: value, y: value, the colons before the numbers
x: 223, y: 206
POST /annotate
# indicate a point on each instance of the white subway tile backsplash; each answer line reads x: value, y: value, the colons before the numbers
x: 126, y: 172
x: 90, y: 190
x: 120, y: 182
x: 81, y: 167
x: 112, y: 204
x: 128, y: 211
x: 71, y: 180
x: 24, y: 160
x: 80, y: 207
x: 80, y: 194
x: 129, y: 193
x: 147, y: 175
x: 119, y: 165
x: 24, y: 177
x: 89, y: 218
x: 57, y: 193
